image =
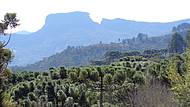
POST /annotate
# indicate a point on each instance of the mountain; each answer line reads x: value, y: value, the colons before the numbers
x: 133, y: 27
x: 78, y: 29
x: 84, y: 55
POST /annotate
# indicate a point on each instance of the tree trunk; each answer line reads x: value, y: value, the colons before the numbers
x: 101, y: 91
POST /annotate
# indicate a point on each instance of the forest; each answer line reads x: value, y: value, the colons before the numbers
x: 150, y: 78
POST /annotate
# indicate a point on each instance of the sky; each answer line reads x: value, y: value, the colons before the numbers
x: 32, y: 13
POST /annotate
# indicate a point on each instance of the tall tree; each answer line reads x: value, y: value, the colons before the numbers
x: 177, y: 44
x: 101, y: 85
x: 63, y: 72
x: 9, y: 22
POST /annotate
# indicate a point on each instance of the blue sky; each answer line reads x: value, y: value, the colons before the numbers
x: 32, y: 13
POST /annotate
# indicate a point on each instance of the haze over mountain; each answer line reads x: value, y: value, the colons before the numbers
x: 77, y: 29
x: 86, y: 55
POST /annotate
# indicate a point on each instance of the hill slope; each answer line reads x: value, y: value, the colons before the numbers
x: 83, y: 55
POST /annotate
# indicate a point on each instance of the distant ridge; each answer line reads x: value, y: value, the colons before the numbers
x: 78, y: 29
x: 83, y: 55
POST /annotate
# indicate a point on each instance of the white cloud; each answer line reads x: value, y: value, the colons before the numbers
x: 32, y: 12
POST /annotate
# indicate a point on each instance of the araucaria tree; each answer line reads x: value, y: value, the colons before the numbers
x: 9, y: 22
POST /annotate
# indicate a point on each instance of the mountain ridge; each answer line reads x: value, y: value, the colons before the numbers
x: 76, y: 29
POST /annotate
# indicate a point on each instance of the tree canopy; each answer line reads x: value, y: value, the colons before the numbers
x: 177, y: 44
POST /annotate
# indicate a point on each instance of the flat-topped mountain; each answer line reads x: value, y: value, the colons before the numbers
x: 78, y: 29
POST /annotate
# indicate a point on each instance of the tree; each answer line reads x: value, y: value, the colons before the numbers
x: 32, y: 96
x: 181, y: 83
x: 112, y: 55
x: 83, y: 75
x: 5, y: 57
x: 9, y: 22
x: 177, y: 44
x: 69, y: 102
x: 73, y: 76
x: 50, y: 91
x: 119, y: 77
x: 17, y: 94
x: 94, y: 75
x: 101, y: 85
x: 63, y: 72
x: 188, y: 39
x: 187, y: 58
x: 49, y: 104
x: 83, y: 101
x: 138, y: 78
x: 25, y: 103
x: 33, y: 104
x: 54, y: 73
x: 32, y: 86
x: 43, y: 100
x: 108, y: 81
x: 61, y: 97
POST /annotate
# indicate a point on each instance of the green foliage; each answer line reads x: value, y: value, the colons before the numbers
x: 180, y: 82
x: 177, y: 44
x: 69, y: 102
x: 83, y: 75
x: 119, y: 77
x: 51, y: 91
x: 83, y: 100
x: 108, y: 79
x: 63, y: 72
x: 110, y: 85
x: 32, y: 96
x: 94, y: 76
x: 61, y: 97
x: 10, y: 21
x: 138, y: 78
x: 73, y: 76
